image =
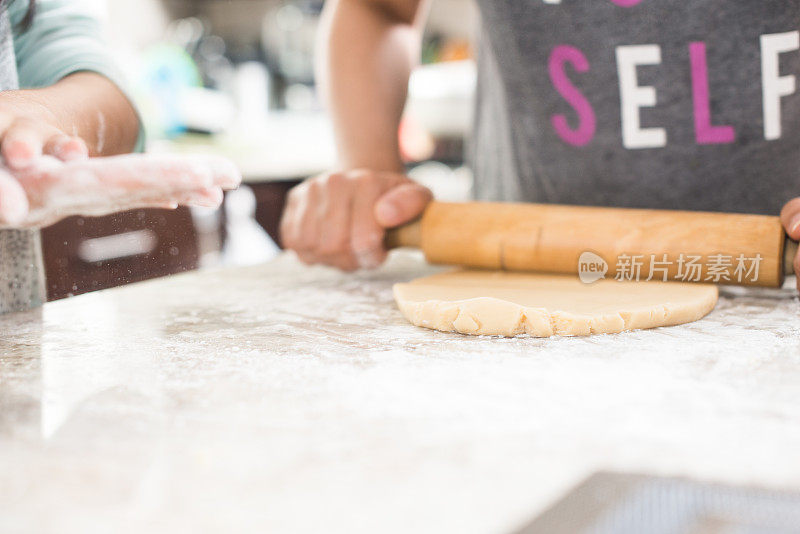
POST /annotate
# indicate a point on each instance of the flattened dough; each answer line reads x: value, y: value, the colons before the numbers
x: 543, y: 305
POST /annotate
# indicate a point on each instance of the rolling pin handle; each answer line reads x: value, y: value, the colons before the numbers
x: 408, y: 235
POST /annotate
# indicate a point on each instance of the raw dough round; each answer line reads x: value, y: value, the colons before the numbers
x: 543, y: 305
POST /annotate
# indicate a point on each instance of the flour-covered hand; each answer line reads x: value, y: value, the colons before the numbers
x: 50, y: 190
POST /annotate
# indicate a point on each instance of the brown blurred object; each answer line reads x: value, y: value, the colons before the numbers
x: 83, y: 254
x: 270, y: 203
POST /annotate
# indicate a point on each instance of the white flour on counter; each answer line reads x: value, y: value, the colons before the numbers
x: 299, y: 399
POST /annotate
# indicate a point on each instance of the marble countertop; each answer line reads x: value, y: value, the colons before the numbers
x: 280, y: 398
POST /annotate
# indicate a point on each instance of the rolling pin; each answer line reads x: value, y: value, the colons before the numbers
x: 554, y: 238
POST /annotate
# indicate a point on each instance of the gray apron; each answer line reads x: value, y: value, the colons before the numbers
x: 21, y: 270
x: 550, y: 125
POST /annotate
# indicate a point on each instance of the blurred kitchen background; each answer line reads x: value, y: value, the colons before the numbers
x: 236, y: 77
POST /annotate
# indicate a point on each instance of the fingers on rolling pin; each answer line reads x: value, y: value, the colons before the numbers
x: 366, y: 235
x: 333, y: 241
x: 402, y: 204
x: 790, y: 218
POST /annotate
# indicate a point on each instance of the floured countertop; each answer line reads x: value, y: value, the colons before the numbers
x: 280, y: 398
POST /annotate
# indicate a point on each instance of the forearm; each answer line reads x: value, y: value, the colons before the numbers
x: 86, y: 105
x: 369, y: 48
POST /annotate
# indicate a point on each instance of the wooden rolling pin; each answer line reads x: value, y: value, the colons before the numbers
x: 735, y: 249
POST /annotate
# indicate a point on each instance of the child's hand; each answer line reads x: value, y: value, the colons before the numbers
x: 340, y: 219
x: 790, y: 217
x: 52, y: 190
x: 29, y: 130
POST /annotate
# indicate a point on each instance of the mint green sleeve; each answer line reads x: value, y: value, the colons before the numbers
x: 64, y: 38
